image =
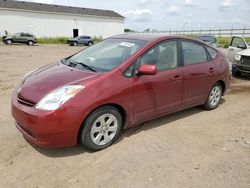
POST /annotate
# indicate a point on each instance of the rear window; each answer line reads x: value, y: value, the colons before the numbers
x: 213, y: 53
x: 193, y: 53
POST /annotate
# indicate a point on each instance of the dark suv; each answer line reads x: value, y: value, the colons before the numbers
x: 26, y: 38
x: 85, y: 40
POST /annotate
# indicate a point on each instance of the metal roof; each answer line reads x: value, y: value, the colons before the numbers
x: 30, y: 6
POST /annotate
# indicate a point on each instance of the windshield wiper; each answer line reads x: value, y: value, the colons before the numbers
x: 86, y: 66
x: 70, y: 62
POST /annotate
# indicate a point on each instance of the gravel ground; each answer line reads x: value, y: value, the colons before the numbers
x: 192, y: 148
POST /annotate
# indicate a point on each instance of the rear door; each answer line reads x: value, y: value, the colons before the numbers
x: 161, y: 93
x: 237, y: 44
x: 81, y: 40
x: 198, y: 73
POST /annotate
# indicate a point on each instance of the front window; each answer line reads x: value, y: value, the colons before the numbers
x: 107, y: 54
x: 163, y: 56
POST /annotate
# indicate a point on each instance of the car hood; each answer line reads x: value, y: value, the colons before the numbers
x: 244, y: 52
x: 44, y: 80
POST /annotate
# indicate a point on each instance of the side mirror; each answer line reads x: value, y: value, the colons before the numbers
x: 147, y: 70
x: 242, y: 46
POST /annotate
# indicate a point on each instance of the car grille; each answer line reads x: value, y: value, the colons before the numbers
x: 245, y: 60
x: 25, y: 101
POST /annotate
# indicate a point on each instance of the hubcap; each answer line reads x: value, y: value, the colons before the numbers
x: 215, y: 95
x: 104, y: 129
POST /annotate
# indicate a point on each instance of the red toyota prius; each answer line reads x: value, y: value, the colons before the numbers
x: 125, y: 80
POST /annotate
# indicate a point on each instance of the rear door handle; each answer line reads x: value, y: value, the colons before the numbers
x: 211, y: 70
x: 177, y: 77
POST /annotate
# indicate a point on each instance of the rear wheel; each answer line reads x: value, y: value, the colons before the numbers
x: 101, y: 128
x: 214, y: 97
x: 90, y: 43
x: 75, y: 43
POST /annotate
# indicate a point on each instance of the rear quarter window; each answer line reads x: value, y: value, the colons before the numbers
x: 213, y: 53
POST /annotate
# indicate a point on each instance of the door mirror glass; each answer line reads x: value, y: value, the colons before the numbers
x: 147, y: 69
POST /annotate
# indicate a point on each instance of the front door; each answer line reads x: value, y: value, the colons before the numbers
x: 198, y: 74
x: 161, y: 93
x: 237, y: 44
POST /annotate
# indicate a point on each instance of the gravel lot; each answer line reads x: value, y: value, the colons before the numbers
x: 193, y: 148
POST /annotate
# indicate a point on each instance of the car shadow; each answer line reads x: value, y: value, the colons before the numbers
x: 162, y: 121
x: 77, y: 150
x: 59, y: 152
x: 243, y: 77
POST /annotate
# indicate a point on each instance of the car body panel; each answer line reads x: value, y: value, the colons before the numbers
x: 233, y: 49
x: 162, y: 92
x: 197, y: 81
x: 21, y: 38
x: 242, y: 66
x: 141, y: 98
x: 85, y: 40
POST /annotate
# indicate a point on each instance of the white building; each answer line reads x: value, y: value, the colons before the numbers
x: 45, y: 20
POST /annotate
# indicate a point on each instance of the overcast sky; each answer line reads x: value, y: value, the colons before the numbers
x: 172, y: 14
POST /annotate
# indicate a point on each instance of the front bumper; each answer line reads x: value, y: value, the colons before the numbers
x: 49, y: 129
x: 236, y: 67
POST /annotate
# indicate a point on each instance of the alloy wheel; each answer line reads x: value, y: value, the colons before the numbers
x: 215, y: 95
x: 104, y: 129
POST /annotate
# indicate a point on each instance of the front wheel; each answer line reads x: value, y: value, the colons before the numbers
x: 9, y: 42
x: 214, y: 97
x: 30, y: 43
x: 101, y: 128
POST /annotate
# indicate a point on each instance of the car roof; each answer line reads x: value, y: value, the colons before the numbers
x: 149, y: 36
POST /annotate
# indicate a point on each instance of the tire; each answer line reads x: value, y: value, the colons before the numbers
x: 236, y: 73
x: 214, y: 97
x: 30, y: 43
x: 9, y: 42
x: 90, y: 43
x: 96, y: 134
x: 75, y: 43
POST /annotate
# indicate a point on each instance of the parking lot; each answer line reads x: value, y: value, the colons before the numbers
x: 192, y: 148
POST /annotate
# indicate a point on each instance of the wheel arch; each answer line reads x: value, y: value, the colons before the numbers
x: 223, y: 85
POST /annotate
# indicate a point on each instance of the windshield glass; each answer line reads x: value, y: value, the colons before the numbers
x: 108, y: 54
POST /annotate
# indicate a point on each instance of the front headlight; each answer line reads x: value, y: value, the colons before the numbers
x: 237, y: 57
x: 56, y: 98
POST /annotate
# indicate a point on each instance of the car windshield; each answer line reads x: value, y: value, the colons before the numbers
x: 107, y: 54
